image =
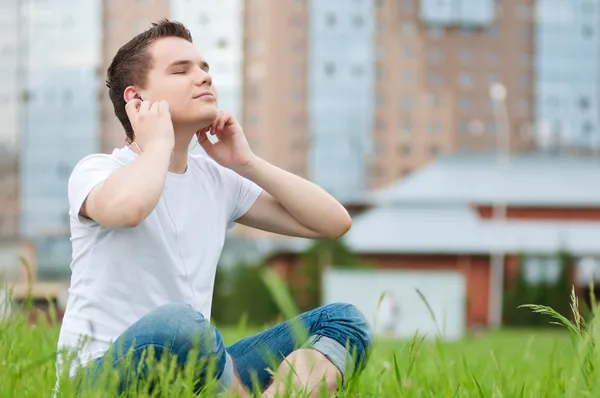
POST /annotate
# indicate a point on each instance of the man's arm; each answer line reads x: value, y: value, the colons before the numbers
x: 130, y: 193
x: 291, y: 205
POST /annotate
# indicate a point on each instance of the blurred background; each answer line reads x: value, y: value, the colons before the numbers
x: 462, y: 135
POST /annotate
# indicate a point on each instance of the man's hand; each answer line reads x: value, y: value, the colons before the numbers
x: 232, y: 149
x: 126, y: 197
x: 151, y: 122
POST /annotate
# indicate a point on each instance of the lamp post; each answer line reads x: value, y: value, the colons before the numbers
x: 497, y: 93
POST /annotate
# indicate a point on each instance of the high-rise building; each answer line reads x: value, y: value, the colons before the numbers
x: 355, y: 94
x: 567, y: 72
x: 9, y: 120
x: 435, y: 63
x: 49, y: 116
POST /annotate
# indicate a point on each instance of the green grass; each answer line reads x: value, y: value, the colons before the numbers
x: 562, y: 362
x: 506, y: 363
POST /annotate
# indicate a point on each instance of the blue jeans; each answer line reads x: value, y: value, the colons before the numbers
x: 339, y: 331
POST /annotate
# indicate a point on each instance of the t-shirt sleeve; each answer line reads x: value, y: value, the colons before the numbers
x: 88, y: 173
x: 243, y: 193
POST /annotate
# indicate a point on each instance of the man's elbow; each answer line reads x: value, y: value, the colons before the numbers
x: 339, y: 228
x: 120, y: 214
x: 134, y: 213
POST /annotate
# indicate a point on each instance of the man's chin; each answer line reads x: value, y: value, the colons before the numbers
x: 199, y: 120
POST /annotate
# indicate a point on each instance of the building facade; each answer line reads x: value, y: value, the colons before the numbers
x: 58, y: 116
x: 567, y: 73
x: 10, y: 60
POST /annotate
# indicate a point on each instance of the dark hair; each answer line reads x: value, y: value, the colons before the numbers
x: 131, y: 64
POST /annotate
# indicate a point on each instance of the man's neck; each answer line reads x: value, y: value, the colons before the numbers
x: 180, y: 153
x: 178, y: 163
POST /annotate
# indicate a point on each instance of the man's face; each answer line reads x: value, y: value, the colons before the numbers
x: 179, y: 75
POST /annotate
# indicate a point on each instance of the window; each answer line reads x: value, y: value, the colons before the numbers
x: 409, y: 76
x: 584, y: 103
x: 524, y: 12
x: 435, y: 127
x: 465, y: 80
x: 330, y: 69
x: 357, y: 70
x: 406, y: 126
x: 296, y: 96
x: 435, y: 33
x: 358, y: 21
x: 253, y: 92
x: 222, y: 43
x: 541, y: 269
x: 466, y: 31
x: 433, y: 101
x: 587, y: 32
x: 68, y: 22
x: 380, y: 124
x: 466, y: 55
x: 407, y: 29
x: 253, y: 120
x: 465, y: 127
x: 407, y: 102
x: 408, y: 5
x: 379, y: 74
x: 380, y: 148
x: 524, y: 60
x: 435, y: 55
x: 297, y: 70
x: 434, y: 150
x: 522, y: 107
x: 587, y: 128
x: 405, y: 150
x: 492, y: 31
x: 297, y: 45
x: 434, y: 80
x: 587, y: 8
x: 491, y: 78
x: 6, y: 50
x: 330, y: 20
x: 380, y: 52
x: 140, y: 25
x: 68, y: 96
x: 491, y: 57
x: 298, y: 120
x: 465, y: 104
x: 203, y: 19
x: 408, y: 51
x: 296, y: 21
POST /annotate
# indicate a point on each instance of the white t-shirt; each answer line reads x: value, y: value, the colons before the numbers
x: 120, y: 275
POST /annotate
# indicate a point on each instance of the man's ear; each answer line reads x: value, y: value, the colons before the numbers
x: 130, y: 93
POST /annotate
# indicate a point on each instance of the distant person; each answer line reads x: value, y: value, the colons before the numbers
x: 388, y: 314
x: 148, y: 224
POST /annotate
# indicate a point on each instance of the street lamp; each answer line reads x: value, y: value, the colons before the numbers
x: 498, y: 93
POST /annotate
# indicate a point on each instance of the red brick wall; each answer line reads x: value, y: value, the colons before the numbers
x: 475, y: 268
x: 530, y: 213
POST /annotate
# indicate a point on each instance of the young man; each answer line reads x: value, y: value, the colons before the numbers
x: 148, y: 224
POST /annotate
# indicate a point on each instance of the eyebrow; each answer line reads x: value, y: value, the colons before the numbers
x: 186, y: 62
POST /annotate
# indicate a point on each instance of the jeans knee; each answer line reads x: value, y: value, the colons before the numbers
x: 182, y: 330
x: 353, y: 328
